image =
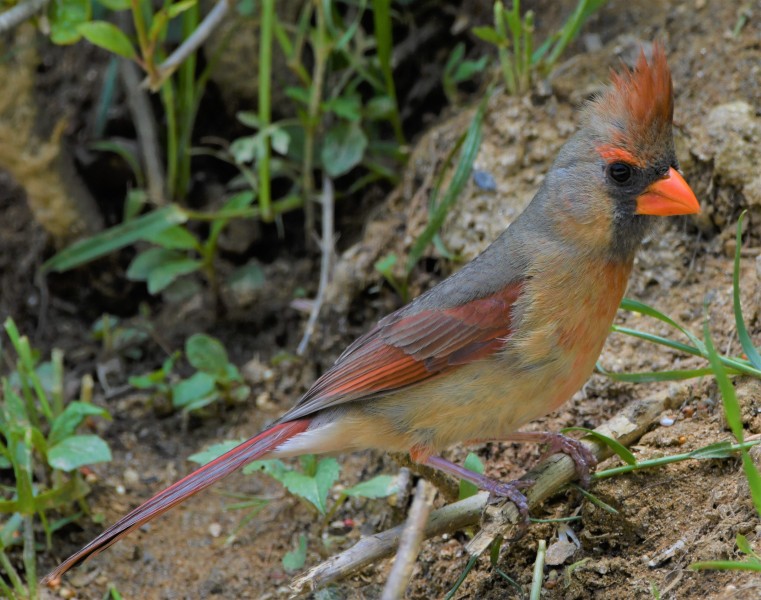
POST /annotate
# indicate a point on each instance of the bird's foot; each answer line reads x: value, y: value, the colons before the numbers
x: 497, y: 489
x: 582, y: 457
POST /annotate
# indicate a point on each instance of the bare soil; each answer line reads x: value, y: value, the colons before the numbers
x: 667, y: 518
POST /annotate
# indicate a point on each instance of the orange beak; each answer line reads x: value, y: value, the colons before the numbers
x: 668, y: 196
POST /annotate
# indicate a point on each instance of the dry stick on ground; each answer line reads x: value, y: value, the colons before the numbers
x: 326, y: 246
x: 548, y: 477
x: 409, y: 544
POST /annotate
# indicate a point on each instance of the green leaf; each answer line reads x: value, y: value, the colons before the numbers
x: 193, y: 390
x: 379, y: 107
x: 67, y: 422
x: 348, y: 107
x: 461, y: 175
x: 343, y: 148
x: 159, y: 267
x: 744, y: 545
x: 472, y: 463
x: 314, y: 489
x: 65, y: 17
x: 77, y: 451
x: 109, y: 37
x: 280, y: 140
x: 246, y: 148
x: 466, y: 69
x: 295, y: 559
x: 207, y: 354
x: 214, y: 451
x: 174, y: 238
x: 115, y: 238
x: 116, y: 4
x: 488, y: 34
x: 742, y: 331
x: 180, y: 7
x: 299, y: 94
x: 273, y: 467
x: 380, y: 486
x: 617, y: 447
x: 249, y: 119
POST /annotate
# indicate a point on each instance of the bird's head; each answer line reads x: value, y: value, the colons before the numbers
x: 622, y: 162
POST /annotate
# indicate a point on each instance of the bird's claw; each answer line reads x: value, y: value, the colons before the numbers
x: 583, y: 458
x: 511, y: 491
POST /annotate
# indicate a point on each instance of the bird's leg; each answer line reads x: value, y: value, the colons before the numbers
x: 500, y: 489
x: 582, y: 456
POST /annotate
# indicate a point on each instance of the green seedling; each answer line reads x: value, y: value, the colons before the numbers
x: 458, y: 70
x: 311, y: 482
x: 513, y: 35
x: 41, y: 443
x: 216, y: 378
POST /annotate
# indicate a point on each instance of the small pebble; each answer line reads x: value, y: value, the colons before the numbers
x: 666, y: 421
x: 120, y: 490
x: 66, y: 593
x: 484, y: 180
x: 131, y: 476
x: 215, y: 530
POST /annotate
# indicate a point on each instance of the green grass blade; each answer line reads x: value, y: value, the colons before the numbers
x: 754, y: 480
x: 742, y: 331
x: 595, y: 500
x: 644, y: 309
x: 538, y: 574
x: 712, y: 451
x: 115, y: 238
x: 728, y: 396
x: 469, y: 152
x: 461, y: 578
x: 726, y: 565
x: 654, y: 376
x: 734, y: 416
x: 622, y: 451
x: 385, y: 44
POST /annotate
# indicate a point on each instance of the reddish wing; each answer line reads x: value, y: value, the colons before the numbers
x: 406, y: 349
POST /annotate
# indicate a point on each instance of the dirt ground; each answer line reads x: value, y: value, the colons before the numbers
x: 668, y: 518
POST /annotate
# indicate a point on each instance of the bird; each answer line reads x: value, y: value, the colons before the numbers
x: 509, y: 337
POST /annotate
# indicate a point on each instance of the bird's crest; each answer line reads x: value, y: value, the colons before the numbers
x: 637, y: 108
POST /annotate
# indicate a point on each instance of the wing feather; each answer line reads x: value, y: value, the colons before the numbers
x: 409, y: 347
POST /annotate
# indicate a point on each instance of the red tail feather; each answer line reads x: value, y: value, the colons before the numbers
x: 255, y: 448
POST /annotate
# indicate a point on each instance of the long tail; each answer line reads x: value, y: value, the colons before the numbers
x: 210, y: 473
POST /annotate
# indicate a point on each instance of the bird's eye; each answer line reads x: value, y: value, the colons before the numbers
x: 620, y: 172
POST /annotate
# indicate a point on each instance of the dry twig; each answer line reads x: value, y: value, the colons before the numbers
x: 13, y: 17
x: 409, y: 543
x: 147, y: 132
x: 326, y: 246
x: 191, y: 44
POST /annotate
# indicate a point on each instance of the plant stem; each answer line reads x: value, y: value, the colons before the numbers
x: 172, y: 142
x: 265, y: 79
x: 321, y: 53
x: 146, y: 49
x: 186, y: 106
x: 29, y: 556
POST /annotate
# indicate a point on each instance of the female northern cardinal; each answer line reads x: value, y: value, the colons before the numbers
x: 508, y: 338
